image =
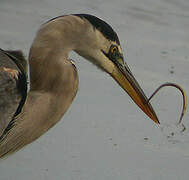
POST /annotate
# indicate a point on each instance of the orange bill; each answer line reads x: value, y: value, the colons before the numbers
x: 126, y: 80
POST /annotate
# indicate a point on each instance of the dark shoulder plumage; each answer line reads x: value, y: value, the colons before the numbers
x: 18, y: 58
x: 102, y: 26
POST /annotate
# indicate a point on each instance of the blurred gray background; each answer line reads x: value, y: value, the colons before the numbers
x: 104, y: 135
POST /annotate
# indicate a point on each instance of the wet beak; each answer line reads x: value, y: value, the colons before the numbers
x: 126, y: 80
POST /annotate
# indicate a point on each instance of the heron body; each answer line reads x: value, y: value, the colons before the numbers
x: 54, y: 79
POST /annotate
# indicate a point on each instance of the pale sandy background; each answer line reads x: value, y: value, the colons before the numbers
x: 104, y: 136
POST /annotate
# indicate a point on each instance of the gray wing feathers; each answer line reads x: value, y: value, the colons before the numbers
x: 10, y: 94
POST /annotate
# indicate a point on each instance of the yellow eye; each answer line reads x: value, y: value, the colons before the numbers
x: 114, y: 49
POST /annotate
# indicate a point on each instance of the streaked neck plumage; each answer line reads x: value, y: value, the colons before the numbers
x: 50, y: 51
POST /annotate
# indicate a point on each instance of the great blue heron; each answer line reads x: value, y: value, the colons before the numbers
x: 54, y: 79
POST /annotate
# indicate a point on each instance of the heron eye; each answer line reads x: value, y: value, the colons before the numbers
x: 113, y: 53
x: 113, y: 49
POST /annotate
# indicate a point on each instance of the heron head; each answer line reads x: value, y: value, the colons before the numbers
x: 101, y: 46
